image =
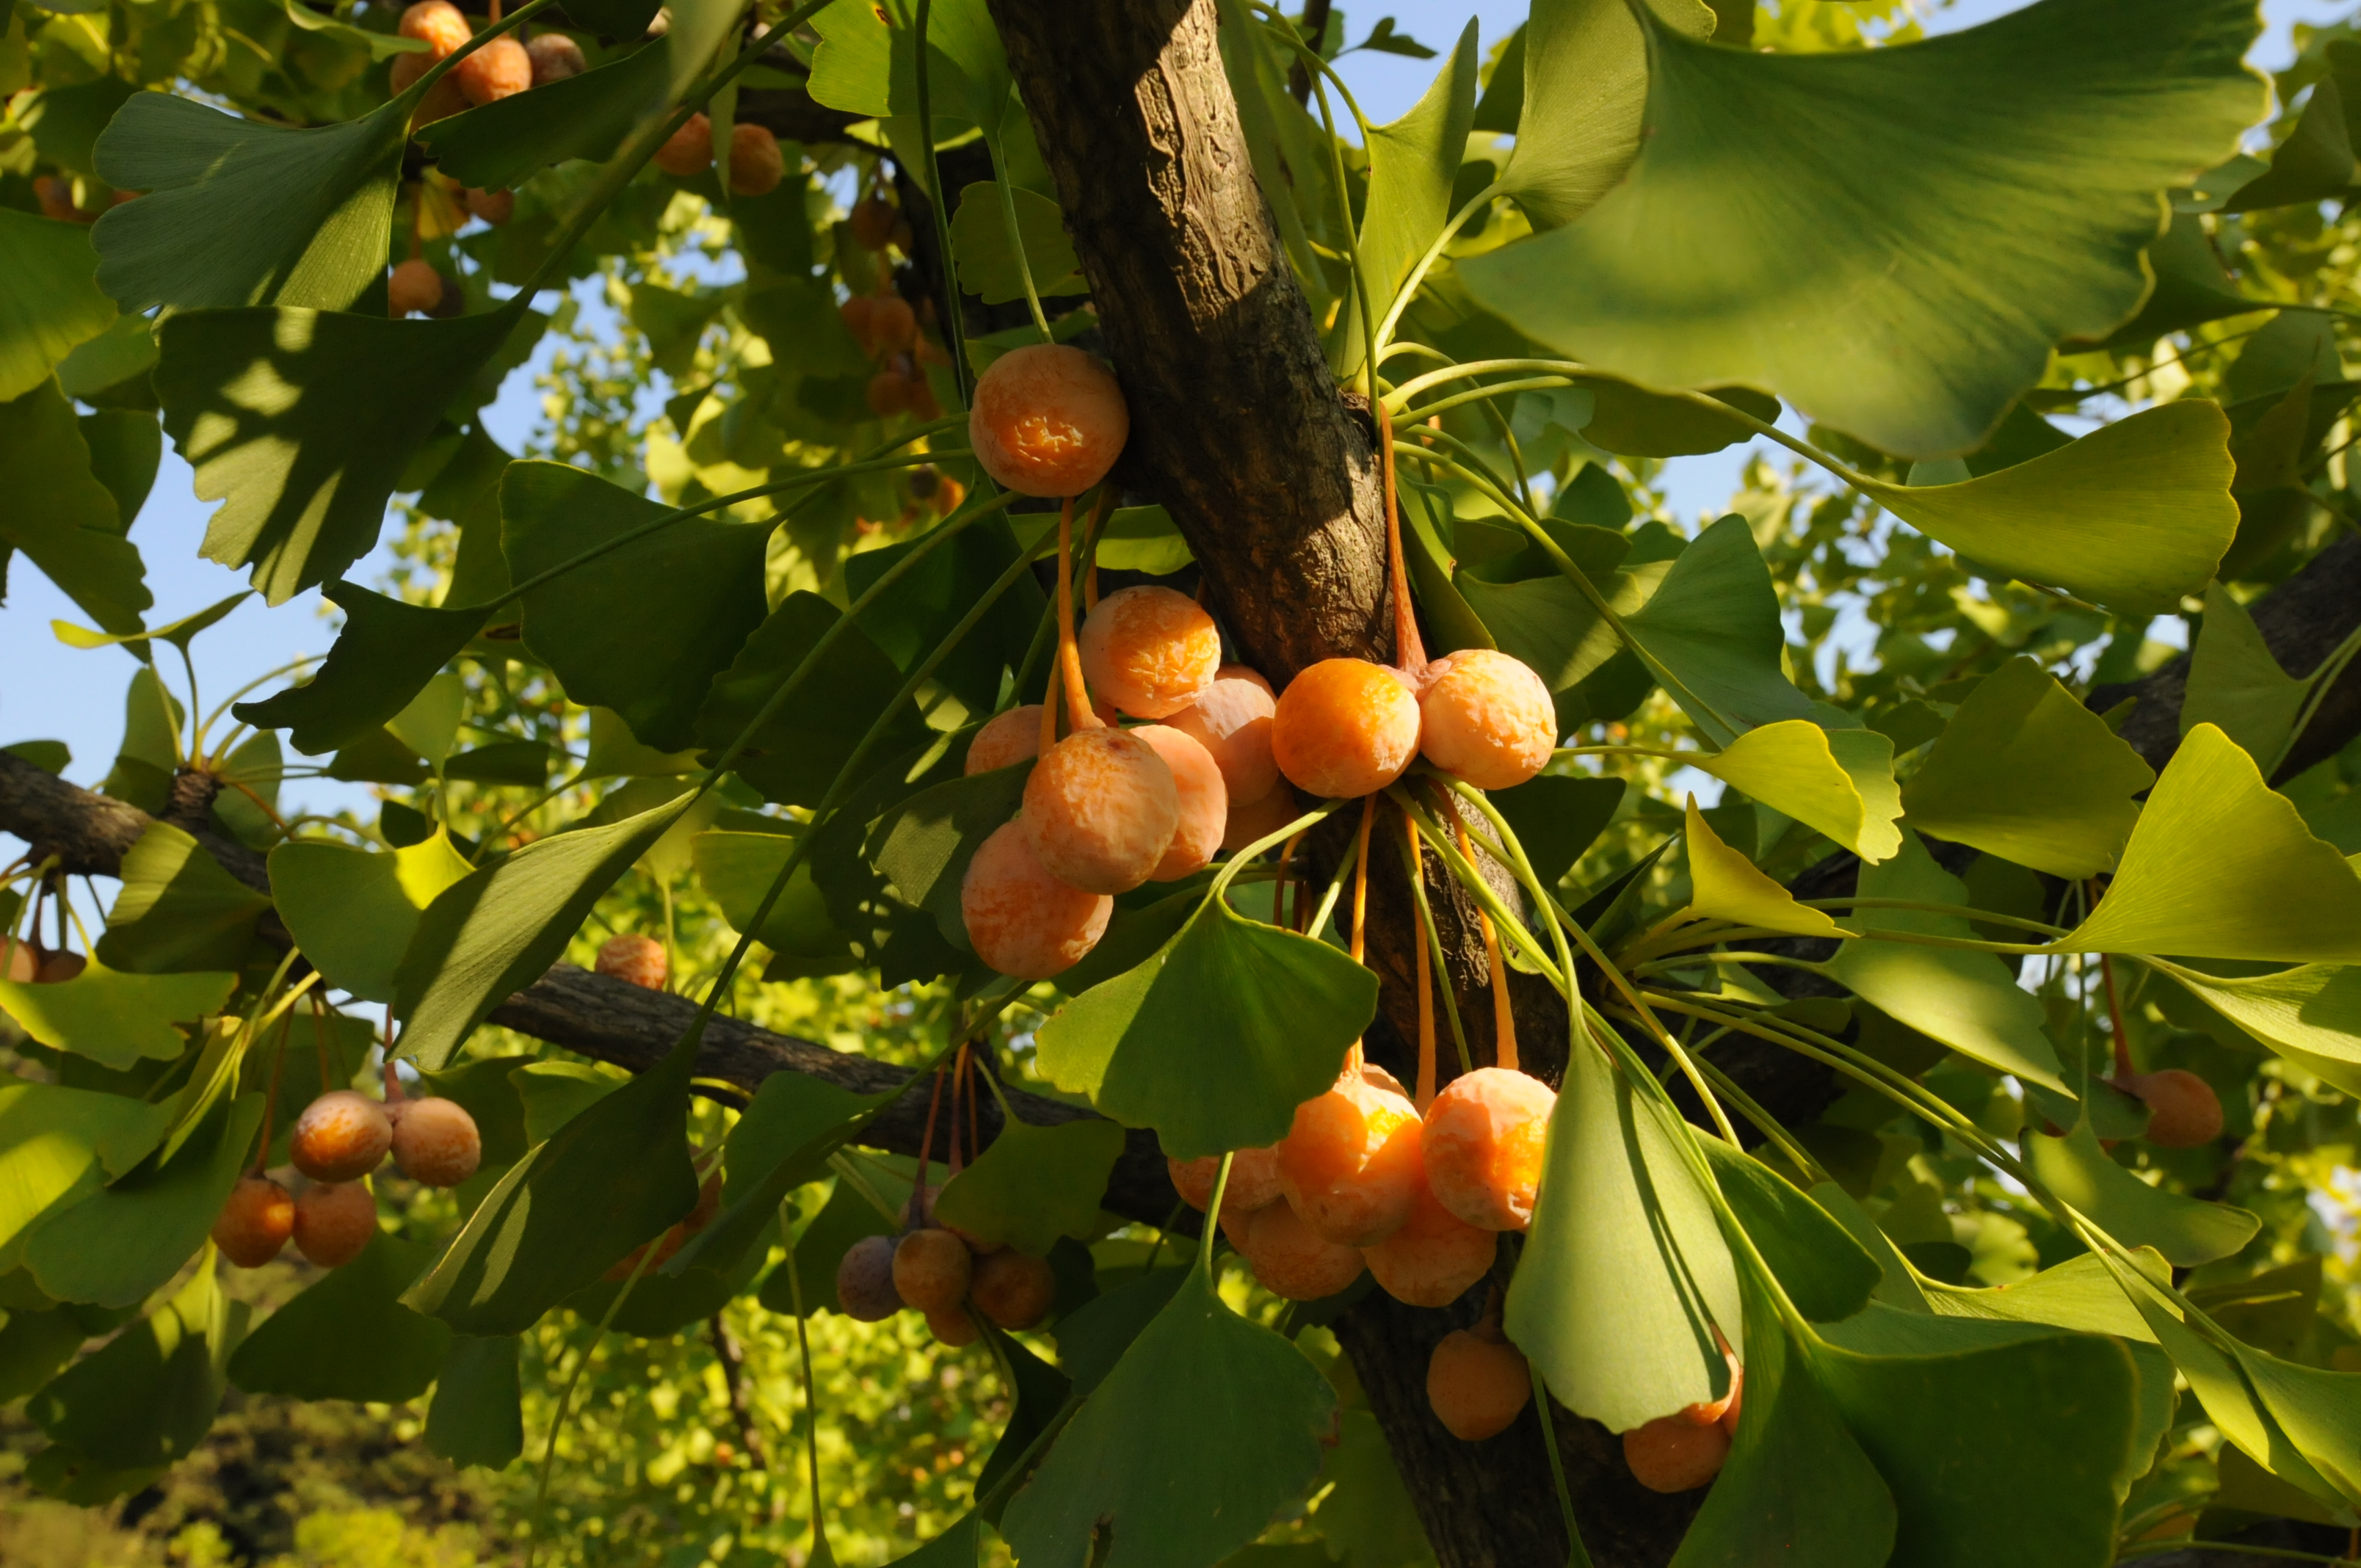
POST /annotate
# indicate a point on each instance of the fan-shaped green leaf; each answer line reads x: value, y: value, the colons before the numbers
x: 2134, y: 515
x: 1825, y: 1272
x: 312, y: 1348
x: 179, y: 911
x: 149, y: 1397
x: 987, y: 266
x: 1207, y: 1426
x: 1968, y: 1000
x: 498, y: 928
x: 1738, y: 250
x: 2027, y: 772
x: 923, y: 846
x: 1034, y: 1184
x: 2236, y: 686
x: 1838, y: 781
x: 1625, y: 1275
x: 1724, y: 885
x: 302, y: 421
x: 52, y: 304
x: 239, y: 211
x: 58, y: 514
x: 1711, y: 633
x: 737, y: 869
x: 112, y: 1018
x: 2221, y: 867
x: 1586, y: 87
x: 56, y: 1142
x: 1264, y: 1013
x: 2310, y: 1015
x: 504, y: 142
x: 1413, y: 162
x: 1556, y: 818
x: 353, y: 911
x: 477, y: 1415
x: 2187, y: 1231
x: 783, y: 1141
x: 123, y: 1242
x: 384, y: 656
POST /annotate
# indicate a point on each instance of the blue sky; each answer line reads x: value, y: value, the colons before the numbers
x: 50, y: 691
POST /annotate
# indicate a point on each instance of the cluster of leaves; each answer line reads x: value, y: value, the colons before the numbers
x: 752, y: 691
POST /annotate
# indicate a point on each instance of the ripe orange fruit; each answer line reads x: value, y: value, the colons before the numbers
x: 1672, y: 1453
x: 339, y: 1137
x: 2183, y: 1111
x: 1345, y: 727
x: 434, y: 1141
x: 1486, y: 717
x: 255, y: 1221
x: 756, y: 164
x: 1101, y: 808
x: 1020, y: 920
x: 335, y: 1223
x: 638, y: 959
x: 952, y: 1327
x: 1149, y: 650
x: 438, y: 23
x: 1014, y: 1290
x: 1048, y: 420
x: 1486, y: 1134
x: 1435, y: 1257
x: 1254, y: 1180
x: 1292, y: 1261
x: 933, y: 1268
x: 1350, y: 1164
x: 414, y: 289
x: 689, y: 151
x: 554, y: 58
x: 495, y: 207
x: 1231, y: 719
x: 499, y: 70
x: 1259, y: 819
x: 1204, y: 802
x: 1004, y: 739
x: 1475, y: 1385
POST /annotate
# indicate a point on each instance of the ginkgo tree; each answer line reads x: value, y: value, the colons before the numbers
x: 1157, y: 575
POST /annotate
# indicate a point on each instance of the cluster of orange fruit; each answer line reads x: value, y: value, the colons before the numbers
x: 340, y: 1138
x: 945, y: 1275
x: 756, y: 164
x: 886, y: 328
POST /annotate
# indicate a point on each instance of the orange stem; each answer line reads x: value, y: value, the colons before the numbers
x: 1079, y: 716
x: 1425, y: 1096
x: 926, y: 1147
x: 1504, y: 1018
x: 2124, y: 1068
x: 270, y: 1101
x: 1410, y: 648
x: 1360, y: 911
x: 958, y: 1077
x: 1091, y: 589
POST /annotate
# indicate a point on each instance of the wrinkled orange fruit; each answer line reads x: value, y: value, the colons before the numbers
x: 1350, y: 1163
x: 1101, y: 808
x: 1485, y: 718
x: 1149, y: 650
x: 1486, y: 1135
x: 1476, y: 1384
x: 1343, y: 728
x: 1048, y: 420
x: 1020, y: 920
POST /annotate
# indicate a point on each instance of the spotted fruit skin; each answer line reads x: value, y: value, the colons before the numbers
x: 636, y: 959
x: 436, y: 1142
x: 1486, y: 717
x: 864, y: 1280
x: 1006, y: 740
x: 1149, y: 650
x: 1435, y: 1258
x: 1350, y: 1163
x: 1485, y: 1137
x: 1254, y: 1180
x: 1047, y: 419
x: 1672, y: 1453
x: 1477, y: 1385
x: 1101, y: 808
x: 340, y: 1136
x: 1343, y: 728
x: 1231, y: 719
x: 1020, y: 920
x: 932, y: 1269
x: 256, y: 1221
x: 1014, y: 1290
x: 1204, y: 802
x: 501, y: 69
x: 1294, y: 1261
x: 334, y: 1221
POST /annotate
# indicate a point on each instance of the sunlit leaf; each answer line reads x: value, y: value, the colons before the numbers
x: 2187, y: 1231
x: 1205, y: 1428
x: 2027, y: 772
x: 1034, y: 1184
x: 126, y: 1241
x: 57, y: 1141
x: 1625, y: 1275
x: 51, y: 303
x: 1412, y: 162
x: 1264, y: 1013
x: 179, y: 911
x: 61, y: 516
x: 2310, y: 1015
x: 115, y: 1019
x: 2221, y: 867
x: 149, y: 1397
x: 307, y: 1349
x: 2237, y: 686
x: 1737, y: 251
x: 1839, y: 781
x: 1586, y: 87
x: 1724, y: 885
x: 1968, y: 1000
x: 1711, y: 633
x: 737, y: 870
x: 353, y: 911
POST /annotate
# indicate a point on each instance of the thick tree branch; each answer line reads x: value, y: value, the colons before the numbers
x: 606, y: 1019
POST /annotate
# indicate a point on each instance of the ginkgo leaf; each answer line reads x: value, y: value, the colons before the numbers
x: 52, y: 304
x: 1034, y: 1184
x: 1839, y: 781
x: 61, y: 517
x: 1586, y: 88
x: 502, y: 143
x: 114, y: 1018
x: 2310, y: 1015
x: 1738, y: 250
x: 241, y: 212
x: 1412, y: 163
x: 2027, y: 772
x: 987, y: 265
x: 1724, y: 885
x: 2187, y: 1231
x: 2236, y: 686
x: 2134, y: 515
x: 1968, y: 1000
x: 1711, y: 634
x: 353, y: 911
x: 302, y: 421
x: 2221, y: 867
x: 386, y: 653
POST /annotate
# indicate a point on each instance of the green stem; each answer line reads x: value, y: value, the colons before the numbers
x: 1484, y: 394
x: 2322, y: 678
x: 1577, y: 1555
x: 1213, y: 1211
x: 819, y: 1552
x: 1434, y: 957
x: 953, y: 327
x: 565, y: 1397
x: 1475, y: 203
x: 1017, y: 241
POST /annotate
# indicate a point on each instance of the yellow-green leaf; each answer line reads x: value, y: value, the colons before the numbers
x: 1724, y: 885
x: 1838, y: 781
